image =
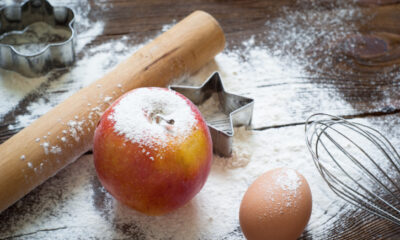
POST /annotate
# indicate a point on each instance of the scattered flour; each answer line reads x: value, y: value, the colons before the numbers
x: 212, y: 110
x: 75, y: 129
x: 29, y: 164
x: 55, y: 150
x: 288, y: 181
x: 83, y: 208
x: 45, y: 146
x: 283, y: 189
x: 166, y: 27
x: 100, y: 60
x: 14, y: 87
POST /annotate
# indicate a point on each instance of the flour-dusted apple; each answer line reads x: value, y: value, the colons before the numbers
x: 152, y: 150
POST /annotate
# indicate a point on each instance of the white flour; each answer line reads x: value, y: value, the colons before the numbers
x: 137, y: 117
x: 73, y: 205
x: 288, y: 181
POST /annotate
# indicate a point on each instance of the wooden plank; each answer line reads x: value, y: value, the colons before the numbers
x: 360, y: 65
x: 367, y: 82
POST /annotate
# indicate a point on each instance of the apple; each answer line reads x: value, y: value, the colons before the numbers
x: 152, y: 150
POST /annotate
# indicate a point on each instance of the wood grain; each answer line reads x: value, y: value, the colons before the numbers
x: 362, y: 65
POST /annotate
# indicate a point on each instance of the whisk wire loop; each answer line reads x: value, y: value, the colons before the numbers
x: 354, y: 159
x: 364, y: 173
x: 345, y: 172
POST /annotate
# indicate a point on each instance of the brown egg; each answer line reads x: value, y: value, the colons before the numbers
x: 277, y: 206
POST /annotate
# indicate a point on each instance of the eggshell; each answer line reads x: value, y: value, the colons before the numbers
x: 277, y: 206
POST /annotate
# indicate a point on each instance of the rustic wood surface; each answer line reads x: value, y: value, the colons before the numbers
x: 366, y: 76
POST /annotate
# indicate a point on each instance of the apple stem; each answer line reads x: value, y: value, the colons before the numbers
x: 158, y: 117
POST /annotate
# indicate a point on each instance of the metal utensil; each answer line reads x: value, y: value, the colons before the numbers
x: 235, y: 111
x: 357, y: 162
x: 16, y: 19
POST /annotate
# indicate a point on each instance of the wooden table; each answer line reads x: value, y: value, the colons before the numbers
x: 362, y: 64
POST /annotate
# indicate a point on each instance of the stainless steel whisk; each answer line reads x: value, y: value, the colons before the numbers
x: 357, y: 162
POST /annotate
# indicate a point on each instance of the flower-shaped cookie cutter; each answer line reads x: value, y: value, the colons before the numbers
x: 16, y: 19
x: 233, y: 111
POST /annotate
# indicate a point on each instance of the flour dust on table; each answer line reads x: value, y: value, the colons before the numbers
x: 213, y: 213
x: 73, y: 204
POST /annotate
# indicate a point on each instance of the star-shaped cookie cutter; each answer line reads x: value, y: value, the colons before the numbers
x: 15, y: 20
x: 233, y: 111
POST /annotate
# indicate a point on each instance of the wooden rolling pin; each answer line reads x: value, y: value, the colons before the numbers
x: 66, y: 132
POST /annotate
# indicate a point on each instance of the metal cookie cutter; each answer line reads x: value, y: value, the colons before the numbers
x: 233, y: 111
x: 52, y: 51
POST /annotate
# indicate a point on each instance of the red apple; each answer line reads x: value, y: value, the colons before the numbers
x: 152, y: 150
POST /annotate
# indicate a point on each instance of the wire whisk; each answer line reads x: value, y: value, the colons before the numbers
x: 357, y: 162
